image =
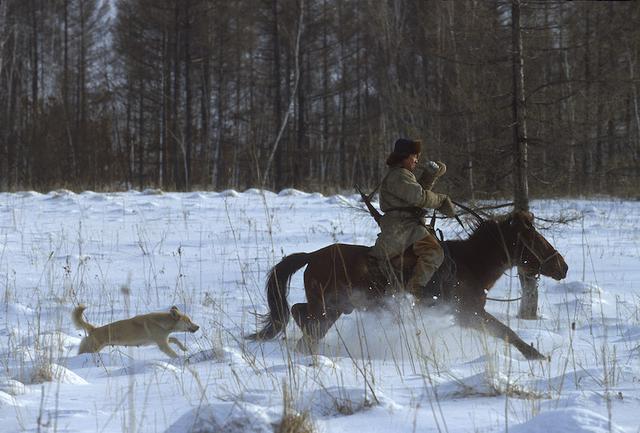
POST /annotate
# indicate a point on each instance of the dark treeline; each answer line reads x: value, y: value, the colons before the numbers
x: 215, y: 94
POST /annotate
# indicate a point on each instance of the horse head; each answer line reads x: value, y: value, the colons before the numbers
x: 529, y: 249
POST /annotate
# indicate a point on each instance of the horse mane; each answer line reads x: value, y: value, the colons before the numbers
x: 486, y: 229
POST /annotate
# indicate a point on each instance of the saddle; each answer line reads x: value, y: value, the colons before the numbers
x: 387, y: 277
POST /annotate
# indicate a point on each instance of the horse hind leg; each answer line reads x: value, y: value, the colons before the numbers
x: 314, y: 325
x: 299, y: 313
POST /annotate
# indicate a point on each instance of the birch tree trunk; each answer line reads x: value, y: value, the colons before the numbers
x: 175, y: 122
x: 276, y: 96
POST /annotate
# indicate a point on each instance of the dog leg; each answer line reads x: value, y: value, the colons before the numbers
x: 88, y: 345
x: 178, y: 343
x: 164, y: 346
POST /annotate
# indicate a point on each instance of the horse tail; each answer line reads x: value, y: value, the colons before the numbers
x: 275, y: 322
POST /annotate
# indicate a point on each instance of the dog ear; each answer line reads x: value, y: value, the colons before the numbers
x: 174, y: 312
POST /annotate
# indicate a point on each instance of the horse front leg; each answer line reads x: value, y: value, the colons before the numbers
x: 485, y: 322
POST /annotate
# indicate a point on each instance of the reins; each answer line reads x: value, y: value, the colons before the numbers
x: 535, y: 254
x: 504, y: 300
x: 469, y: 210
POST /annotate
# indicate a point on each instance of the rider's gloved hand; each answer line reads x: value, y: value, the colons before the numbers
x: 442, y: 169
x: 430, y: 172
x: 447, y: 207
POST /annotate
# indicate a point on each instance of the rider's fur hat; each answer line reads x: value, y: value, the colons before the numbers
x: 402, y: 148
x: 407, y: 147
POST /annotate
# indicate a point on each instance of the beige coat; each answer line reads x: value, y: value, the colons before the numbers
x: 401, y: 228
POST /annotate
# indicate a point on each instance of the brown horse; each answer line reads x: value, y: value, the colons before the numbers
x: 338, y: 280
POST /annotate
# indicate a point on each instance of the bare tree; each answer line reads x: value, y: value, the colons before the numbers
x: 184, y: 85
x: 529, y: 302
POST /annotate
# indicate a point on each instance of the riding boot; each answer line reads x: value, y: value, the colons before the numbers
x: 429, y: 258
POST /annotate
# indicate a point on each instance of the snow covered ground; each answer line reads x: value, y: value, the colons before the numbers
x: 208, y: 253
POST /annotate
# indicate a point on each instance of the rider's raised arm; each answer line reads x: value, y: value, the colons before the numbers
x: 406, y: 187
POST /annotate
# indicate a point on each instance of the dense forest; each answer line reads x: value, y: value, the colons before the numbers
x: 216, y: 94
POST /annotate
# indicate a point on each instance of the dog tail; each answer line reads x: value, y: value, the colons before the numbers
x: 79, y: 321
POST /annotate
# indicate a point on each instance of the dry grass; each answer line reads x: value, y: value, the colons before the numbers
x: 296, y: 423
x: 292, y: 420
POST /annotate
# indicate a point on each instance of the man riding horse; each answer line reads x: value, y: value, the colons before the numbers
x: 339, y: 279
x: 405, y: 192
